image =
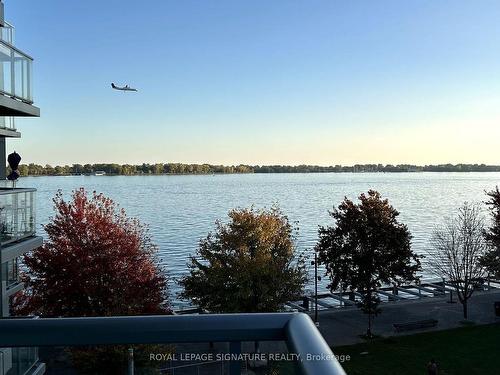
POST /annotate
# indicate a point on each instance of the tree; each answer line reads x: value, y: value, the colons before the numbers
x: 458, y: 246
x: 77, y: 169
x: 491, y: 260
x: 95, y: 262
x: 23, y: 170
x: 247, y: 265
x: 49, y: 169
x: 366, y: 248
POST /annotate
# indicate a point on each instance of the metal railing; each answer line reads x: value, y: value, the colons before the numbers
x: 296, y: 329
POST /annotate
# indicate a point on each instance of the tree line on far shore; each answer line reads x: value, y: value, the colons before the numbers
x: 183, y: 168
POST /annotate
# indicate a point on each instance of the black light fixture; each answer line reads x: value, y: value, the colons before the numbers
x: 14, y: 159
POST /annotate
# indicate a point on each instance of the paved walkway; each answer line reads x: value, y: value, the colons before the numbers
x: 343, y: 326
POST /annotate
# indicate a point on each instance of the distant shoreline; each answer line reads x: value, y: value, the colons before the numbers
x: 248, y: 173
x: 111, y: 169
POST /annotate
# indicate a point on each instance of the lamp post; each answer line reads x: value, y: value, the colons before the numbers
x: 316, y: 279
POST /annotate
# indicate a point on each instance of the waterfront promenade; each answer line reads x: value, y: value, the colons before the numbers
x: 344, y: 326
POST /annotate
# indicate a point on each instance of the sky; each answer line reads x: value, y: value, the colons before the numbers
x: 261, y: 82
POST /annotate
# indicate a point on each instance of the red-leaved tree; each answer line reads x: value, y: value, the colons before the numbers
x: 96, y: 261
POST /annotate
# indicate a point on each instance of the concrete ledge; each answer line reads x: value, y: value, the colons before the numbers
x: 9, y: 133
x: 17, y: 249
x: 13, y: 107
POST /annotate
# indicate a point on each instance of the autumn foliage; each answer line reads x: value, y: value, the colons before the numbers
x: 95, y: 261
x: 247, y: 265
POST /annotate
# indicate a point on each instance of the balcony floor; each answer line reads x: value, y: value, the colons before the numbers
x: 13, y: 107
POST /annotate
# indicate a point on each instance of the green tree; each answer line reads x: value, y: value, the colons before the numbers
x: 77, y: 169
x: 247, y: 265
x: 58, y: 170
x: 158, y: 168
x: 491, y: 260
x: 88, y: 168
x: 128, y: 169
x: 366, y: 248
x: 23, y: 170
x: 49, y: 169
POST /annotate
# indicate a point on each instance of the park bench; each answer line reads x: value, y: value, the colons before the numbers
x: 419, y: 324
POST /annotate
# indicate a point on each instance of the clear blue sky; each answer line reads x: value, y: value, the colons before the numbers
x: 262, y: 82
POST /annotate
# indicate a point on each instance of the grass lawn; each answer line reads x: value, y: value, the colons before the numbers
x: 467, y: 350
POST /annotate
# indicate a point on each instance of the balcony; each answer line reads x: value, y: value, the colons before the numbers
x: 8, y: 127
x: 16, y: 78
x: 296, y: 330
x: 17, y: 215
x: 7, y: 33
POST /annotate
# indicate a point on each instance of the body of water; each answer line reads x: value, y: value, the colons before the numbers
x: 182, y: 209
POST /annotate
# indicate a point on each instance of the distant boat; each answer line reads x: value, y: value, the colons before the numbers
x: 99, y: 173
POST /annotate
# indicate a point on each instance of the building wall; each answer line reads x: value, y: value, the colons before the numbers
x: 18, y: 360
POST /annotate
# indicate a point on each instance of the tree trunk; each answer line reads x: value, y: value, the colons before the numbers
x: 464, y: 305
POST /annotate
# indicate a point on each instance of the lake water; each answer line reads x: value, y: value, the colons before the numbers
x: 182, y: 209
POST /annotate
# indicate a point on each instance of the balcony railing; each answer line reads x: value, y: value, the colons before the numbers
x: 296, y: 329
x: 15, y: 68
x: 7, y: 33
x: 20, y: 361
x: 17, y: 214
x: 7, y: 123
x: 10, y: 273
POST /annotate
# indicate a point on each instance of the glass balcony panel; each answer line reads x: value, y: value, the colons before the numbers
x: 7, y: 33
x: 17, y: 214
x: 23, y: 359
x: 16, y: 73
x: 10, y: 273
x: 29, y: 81
x: 5, y: 69
x: 167, y: 359
x: 22, y: 68
x: 7, y: 123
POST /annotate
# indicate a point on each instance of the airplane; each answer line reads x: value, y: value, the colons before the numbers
x: 125, y: 88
